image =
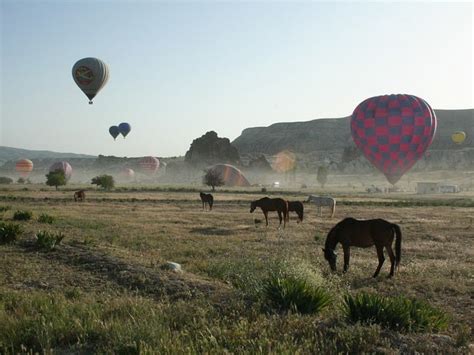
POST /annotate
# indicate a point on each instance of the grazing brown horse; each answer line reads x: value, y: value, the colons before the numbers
x: 364, y: 233
x: 296, y: 206
x: 206, y: 198
x: 79, y: 195
x: 272, y: 204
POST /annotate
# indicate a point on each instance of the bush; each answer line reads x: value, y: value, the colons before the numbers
x: 289, y: 293
x: 5, y: 180
x: 106, y: 182
x: 45, y: 218
x: 9, y: 232
x: 22, y: 215
x: 398, y: 313
x: 47, y: 240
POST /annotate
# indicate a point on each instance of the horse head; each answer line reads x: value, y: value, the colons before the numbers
x: 331, y: 256
x: 253, y: 206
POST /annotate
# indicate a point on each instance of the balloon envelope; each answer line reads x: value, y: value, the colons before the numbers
x: 90, y: 74
x: 63, y: 166
x: 124, y: 128
x: 127, y: 173
x: 393, y: 132
x: 114, y: 131
x: 458, y: 137
x: 149, y: 165
x: 24, y: 167
x: 230, y: 174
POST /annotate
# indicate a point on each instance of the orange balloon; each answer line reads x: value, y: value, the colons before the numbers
x: 24, y: 167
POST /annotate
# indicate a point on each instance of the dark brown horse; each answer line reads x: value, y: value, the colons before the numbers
x: 79, y: 195
x: 272, y: 204
x: 296, y: 206
x: 206, y: 198
x: 352, y: 232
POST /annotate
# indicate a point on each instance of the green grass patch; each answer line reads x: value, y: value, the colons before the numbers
x: 22, y: 215
x: 398, y: 313
x: 46, y: 218
x: 9, y: 232
x: 47, y: 240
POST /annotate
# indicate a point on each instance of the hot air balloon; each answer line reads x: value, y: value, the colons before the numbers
x: 24, y: 167
x: 127, y: 173
x: 90, y: 74
x: 149, y: 165
x: 63, y: 166
x: 124, y: 128
x: 230, y: 174
x: 458, y: 137
x: 393, y: 132
x: 114, y: 131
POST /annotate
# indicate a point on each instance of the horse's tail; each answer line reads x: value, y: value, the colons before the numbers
x: 398, y: 243
x: 287, y: 218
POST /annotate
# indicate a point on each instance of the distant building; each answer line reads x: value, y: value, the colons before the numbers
x: 427, y: 188
x: 449, y: 189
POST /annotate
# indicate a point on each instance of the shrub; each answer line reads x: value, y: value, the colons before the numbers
x: 22, y: 215
x: 5, y: 180
x: 4, y: 208
x: 9, y: 232
x: 398, y: 313
x: 47, y: 240
x: 45, y: 218
x: 289, y: 293
x: 106, y: 182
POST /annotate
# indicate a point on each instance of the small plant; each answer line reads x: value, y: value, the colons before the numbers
x: 9, y: 232
x: 290, y: 293
x: 398, y: 313
x: 4, y: 208
x: 47, y: 240
x: 22, y: 215
x: 45, y: 218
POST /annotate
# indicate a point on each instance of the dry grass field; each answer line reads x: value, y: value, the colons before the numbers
x: 104, y: 288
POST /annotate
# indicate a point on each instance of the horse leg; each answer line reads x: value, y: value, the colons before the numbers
x: 266, y: 217
x: 392, y: 259
x: 381, y: 259
x: 279, y: 217
x: 347, y: 256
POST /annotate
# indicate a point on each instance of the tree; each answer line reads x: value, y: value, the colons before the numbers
x: 322, y: 176
x: 213, y: 179
x: 106, y: 182
x: 56, y: 178
x: 21, y: 180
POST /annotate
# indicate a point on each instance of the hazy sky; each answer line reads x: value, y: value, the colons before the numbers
x: 179, y: 69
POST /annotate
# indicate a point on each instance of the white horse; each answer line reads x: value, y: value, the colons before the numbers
x: 323, y: 201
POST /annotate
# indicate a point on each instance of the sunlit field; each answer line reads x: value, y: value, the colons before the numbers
x: 106, y: 288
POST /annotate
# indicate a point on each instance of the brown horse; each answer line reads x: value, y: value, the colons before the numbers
x: 206, y: 198
x: 352, y: 232
x: 272, y: 204
x: 296, y: 206
x: 79, y: 195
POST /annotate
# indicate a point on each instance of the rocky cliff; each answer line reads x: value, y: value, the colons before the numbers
x: 334, y: 134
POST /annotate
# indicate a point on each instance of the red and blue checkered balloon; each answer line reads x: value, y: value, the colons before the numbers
x: 393, y: 132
